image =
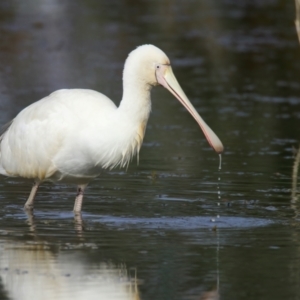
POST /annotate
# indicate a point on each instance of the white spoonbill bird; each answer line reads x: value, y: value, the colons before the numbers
x: 73, y: 134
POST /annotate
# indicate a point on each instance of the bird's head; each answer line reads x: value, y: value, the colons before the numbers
x: 148, y: 62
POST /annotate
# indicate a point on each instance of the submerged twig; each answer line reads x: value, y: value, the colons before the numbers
x: 297, y: 21
x: 295, y: 176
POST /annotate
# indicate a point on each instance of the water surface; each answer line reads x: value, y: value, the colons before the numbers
x: 160, y: 230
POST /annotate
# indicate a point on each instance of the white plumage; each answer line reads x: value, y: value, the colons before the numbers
x: 72, y: 135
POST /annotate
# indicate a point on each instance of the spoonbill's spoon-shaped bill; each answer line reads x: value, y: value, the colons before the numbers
x: 167, y: 79
x: 72, y: 135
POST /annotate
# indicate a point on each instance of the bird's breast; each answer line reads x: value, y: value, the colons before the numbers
x: 125, y: 142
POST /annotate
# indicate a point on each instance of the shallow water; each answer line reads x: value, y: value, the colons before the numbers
x: 160, y: 230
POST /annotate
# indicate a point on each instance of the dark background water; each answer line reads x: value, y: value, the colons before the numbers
x: 160, y: 230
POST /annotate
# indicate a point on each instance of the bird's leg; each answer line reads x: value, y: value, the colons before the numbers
x: 78, y: 222
x: 30, y: 201
x: 30, y: 220
x: 79, y: 198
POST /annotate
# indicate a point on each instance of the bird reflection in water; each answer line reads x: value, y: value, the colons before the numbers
x: 32, y: 271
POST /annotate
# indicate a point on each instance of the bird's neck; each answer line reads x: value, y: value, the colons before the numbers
x: 136, y: 101
x: 133, y: 115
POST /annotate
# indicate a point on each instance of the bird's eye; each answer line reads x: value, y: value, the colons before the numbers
x: 157, y: 67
